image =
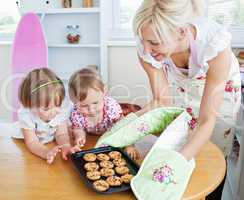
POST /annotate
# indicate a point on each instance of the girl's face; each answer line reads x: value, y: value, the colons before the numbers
x: 158, y: 50
x: 47, y: 113
x: 93, y: 104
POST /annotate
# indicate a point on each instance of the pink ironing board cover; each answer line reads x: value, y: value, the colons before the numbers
x: 29, y: 51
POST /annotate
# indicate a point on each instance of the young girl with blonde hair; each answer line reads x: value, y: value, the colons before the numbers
x: 94, y: 112
x: 43, y: 115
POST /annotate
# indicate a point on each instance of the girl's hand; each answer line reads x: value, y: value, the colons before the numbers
x: 132, y: 152
x: 67, y: 149
x: 74, y: 149
x: 51, y: 154
x: 81, y: 140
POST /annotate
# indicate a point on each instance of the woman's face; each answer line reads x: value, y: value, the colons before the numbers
x: 158, y: 50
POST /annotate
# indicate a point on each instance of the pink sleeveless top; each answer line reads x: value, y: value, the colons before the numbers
x: 112, y: 112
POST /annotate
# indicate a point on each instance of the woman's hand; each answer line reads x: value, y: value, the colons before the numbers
x: 132, y: 152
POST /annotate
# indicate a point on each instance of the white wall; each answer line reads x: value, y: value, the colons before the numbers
x: 127, y: 80
x: 4, y: 75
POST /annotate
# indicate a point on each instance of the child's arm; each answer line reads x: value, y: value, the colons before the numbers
x: 62, y: 139
x: 80, y: 136
x: 77, y: 129
x: 38, y: 148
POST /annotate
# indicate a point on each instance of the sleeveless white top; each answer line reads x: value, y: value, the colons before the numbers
x: 45, y: 131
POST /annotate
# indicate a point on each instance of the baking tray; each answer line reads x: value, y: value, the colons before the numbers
x: 79, y: 162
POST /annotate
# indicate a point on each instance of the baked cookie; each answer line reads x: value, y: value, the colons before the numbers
x: 93, y: 175
x: 90, y: 157
x: 107, y: 164
x: 122, y: 170
x: 114, y: 181
x: 106, y: 172
x: 102, y: 157
x: 127, y: 178
x: 101, y: 185
x: 91, y: 166
x: 114, y: 155
x: 119, y: 162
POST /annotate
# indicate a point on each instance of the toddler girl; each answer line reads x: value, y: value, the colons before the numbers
x: 43, y: 115
x: 94, y: 111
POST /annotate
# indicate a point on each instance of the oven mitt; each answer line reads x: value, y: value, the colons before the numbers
x: 133, y: 128
x: 164, y: 172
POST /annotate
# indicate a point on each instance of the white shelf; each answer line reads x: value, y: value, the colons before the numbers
x: 67, y: 11
x: 74, y: 45
x: 6, y: 43
x: 65, y: 58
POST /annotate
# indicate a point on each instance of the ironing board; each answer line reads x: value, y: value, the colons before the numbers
x: 29, y: 51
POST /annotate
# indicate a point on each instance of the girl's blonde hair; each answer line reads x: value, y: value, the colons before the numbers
x: 81, y: 81
x: 165, y: 16
x: 40, y: 87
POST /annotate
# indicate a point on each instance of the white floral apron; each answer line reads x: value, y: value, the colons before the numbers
x: 187, y: 90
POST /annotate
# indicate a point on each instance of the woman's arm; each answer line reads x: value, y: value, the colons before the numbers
x: 211, y: 100
x: 159, y: 86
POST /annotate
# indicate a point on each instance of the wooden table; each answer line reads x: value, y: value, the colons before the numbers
x: 27, y: 177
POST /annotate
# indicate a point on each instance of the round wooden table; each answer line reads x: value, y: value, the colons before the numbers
x: 208, y: 174
x: 25, y: 176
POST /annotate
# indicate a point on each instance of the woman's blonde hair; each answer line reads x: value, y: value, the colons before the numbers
x: 81, y: 81
x: 40, y: 87
x: 165, y: 16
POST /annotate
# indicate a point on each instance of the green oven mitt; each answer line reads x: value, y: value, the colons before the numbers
x: 164, y: 172
x: 163, y: 175
x: 133, y: 128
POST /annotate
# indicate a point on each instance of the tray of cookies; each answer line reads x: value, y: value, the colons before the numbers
x: 105, y: 169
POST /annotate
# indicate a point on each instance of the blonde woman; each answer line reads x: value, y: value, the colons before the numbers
x: 189, y: 63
